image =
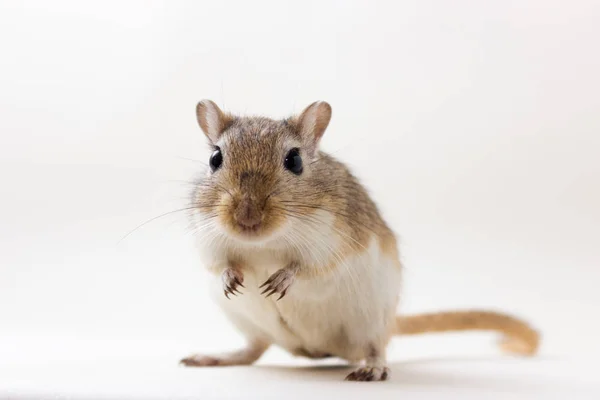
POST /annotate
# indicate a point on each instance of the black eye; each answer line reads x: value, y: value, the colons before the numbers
x: 293, y: 161
x: 216, y: 159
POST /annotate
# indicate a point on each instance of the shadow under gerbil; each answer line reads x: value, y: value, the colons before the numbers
x: 410, y: 373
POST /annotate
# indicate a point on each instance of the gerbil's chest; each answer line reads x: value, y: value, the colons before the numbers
x: 321, y: 314
x: 260, y: 264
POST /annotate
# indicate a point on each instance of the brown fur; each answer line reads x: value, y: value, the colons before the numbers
x: 519, y: 336
x: 252, y: 189
x: 326, y: 184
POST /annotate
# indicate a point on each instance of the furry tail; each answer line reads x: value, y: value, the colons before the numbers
x: 518, y: 338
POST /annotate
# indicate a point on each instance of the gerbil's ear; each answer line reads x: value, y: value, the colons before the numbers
x: 313, y: 121
x: 212, y: 120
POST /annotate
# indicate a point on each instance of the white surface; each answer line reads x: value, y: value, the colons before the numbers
x: 474, y: 124
x: 422, y: 379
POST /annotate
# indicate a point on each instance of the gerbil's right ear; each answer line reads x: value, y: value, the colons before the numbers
x: 212, y: 120
x: 312, y: 123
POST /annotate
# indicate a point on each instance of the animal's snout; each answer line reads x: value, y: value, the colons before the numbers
x: 248, y: 213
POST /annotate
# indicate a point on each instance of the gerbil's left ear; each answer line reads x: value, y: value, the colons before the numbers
x: 312, y: 123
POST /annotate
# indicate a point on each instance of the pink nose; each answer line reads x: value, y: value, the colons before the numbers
x: 248, y: 213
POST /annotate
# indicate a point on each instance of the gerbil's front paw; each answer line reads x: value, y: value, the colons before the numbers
x: 367, y: 374
x: 279, y: 282
x: 232, y: 279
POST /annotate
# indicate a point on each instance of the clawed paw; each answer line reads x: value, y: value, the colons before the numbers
x: 279, y: 282
x: 367, y: 374
x: 232, y: 280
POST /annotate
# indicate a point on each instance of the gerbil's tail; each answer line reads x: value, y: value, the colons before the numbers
x: 518, y: 338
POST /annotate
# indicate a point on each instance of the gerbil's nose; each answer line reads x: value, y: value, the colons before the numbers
x: 248, y: 213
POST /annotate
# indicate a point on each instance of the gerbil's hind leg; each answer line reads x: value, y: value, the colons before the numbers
x: 245, y: 356
x: 375, y: 368
x: 257, y: 341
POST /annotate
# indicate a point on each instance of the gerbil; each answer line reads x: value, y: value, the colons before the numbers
x: 300, y: 254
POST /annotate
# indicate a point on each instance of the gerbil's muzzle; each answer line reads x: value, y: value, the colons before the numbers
x: 249, y: 213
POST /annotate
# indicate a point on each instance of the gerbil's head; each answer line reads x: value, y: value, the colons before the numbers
x: 259, y: 173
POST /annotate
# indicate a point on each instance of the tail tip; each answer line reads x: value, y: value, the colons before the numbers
x: 519, y: 346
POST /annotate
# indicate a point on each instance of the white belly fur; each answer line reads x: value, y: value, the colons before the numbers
x: 338, y: 313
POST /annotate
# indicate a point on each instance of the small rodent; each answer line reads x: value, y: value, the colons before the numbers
x: 300, y: 254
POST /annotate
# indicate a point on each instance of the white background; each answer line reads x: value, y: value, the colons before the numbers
x: 475, y: 125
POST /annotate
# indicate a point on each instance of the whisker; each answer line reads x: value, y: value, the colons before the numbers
x: 315, y: 237
x: 314, y: 242
x: 193, y: 160
x: 316, y: 221
x: 154, y: 219
x: 346, y: 216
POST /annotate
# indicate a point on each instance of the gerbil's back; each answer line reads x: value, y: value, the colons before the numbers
x: 339, y: 192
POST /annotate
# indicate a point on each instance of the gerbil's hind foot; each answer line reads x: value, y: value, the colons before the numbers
x: 375, y: 368
x: 245, y: 356
x: 369, y: 373
x: 199, y: 360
